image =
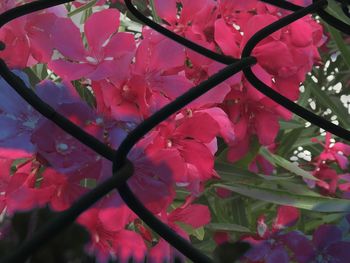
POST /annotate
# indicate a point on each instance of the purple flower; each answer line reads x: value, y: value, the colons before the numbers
x: 329, y: 247
x: 17, y: 120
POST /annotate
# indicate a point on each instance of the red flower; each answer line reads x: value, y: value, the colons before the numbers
x: 106, y: 222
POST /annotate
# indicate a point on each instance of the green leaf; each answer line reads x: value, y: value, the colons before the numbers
x: 280, y: 161
x: 288, y: 141
x: 199, y: 233
x: 303, y: 98
x: 324, y: 99
x: 334, y: 9
x: 280, y: 197
x: 82, y: 8
x: 85, y: 93
x: 325, y: 219
x: 33, y: 78
x: 231, y: 173
x: 291, y: 125
x: 297, y: 188
x: 340, y: 42
x: 227, y: 227
x: 306, y: 141
x: 88, y: 183
x: 156, y: 18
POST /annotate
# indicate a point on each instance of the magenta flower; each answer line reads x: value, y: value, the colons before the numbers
x: 195, y: 20
x: 338, y: 152
x: 66, y: 188
x: 194, y: 215
x: 106, y: 222
x: 19, y: 191
x: 27, y: 38
x: 6, y: 181
x: 108, y: 50
x: 328, y: 179
x: 17, y: 49
x: 252, y: 113
x: 183, y: 137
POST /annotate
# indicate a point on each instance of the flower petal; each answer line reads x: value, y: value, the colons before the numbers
x: 300, y: 245
x: 195, y: 215
x: 278, y: 254
x: 67, y: 40
x: 69, y: 70
x: 339, y: 251
x: 287, y: 216
x: 325, y: 235
x: 100, y: 26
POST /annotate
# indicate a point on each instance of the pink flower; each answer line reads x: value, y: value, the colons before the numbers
x: 106, y: 222
x: 251, y: 113
x: 184, y: 137
x: 151, y: 82
x: 66, y: 188
x: 27, y: 38
x: 21, y: 193
x: 194, y: 215
x: 328, y: 179
x: 195, y: 20
x: 107, y: 51
x: 5, y: 181
x: 338, y: 152
x: 17, y: 50
x: 38, y: 28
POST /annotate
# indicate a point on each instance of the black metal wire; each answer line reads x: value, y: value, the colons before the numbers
x: 28, y: 8
x: 118, y: 157
x: 328, y: 18
x: 46, y: 110
x: 183, y: 41
x: 277, y: 97
x: 127, y: 195
x: 122, y: 168
x: 180, y: 102
x: 266, y: 90
x: 345, y: 6
x: 346, y: 10
x: 259, y: 85
x: 65, y: 218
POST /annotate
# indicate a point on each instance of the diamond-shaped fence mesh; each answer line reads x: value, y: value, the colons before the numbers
x: 122, y: 167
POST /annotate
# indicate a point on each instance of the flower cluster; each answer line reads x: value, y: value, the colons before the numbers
x: 280, y: 245
x: 130, y: 80
x: 329, y: 165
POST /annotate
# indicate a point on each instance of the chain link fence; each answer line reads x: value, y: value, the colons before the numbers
x: 122, y: 167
